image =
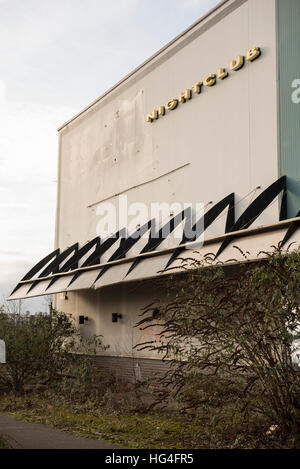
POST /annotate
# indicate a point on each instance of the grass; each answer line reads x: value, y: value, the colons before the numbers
x: 208, y: 429
x: 128, y: 430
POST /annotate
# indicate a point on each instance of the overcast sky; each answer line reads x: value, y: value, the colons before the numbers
x: 56, y: 57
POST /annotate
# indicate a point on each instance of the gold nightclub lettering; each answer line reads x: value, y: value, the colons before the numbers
x: 209, y: 81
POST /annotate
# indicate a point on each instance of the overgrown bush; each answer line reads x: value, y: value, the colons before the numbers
x: 235, y: 325
x: 49, y: 359
x: 81, y: 380
x: 43, y: 349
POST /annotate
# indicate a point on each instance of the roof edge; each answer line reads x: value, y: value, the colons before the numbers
x: 139, y: 67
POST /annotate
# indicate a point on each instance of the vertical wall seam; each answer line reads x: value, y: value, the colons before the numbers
x: 278, y: 104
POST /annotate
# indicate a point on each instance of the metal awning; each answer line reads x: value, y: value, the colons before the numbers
x: 61, y: 272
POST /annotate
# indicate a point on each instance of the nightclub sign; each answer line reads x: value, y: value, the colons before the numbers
x: 208, y: 81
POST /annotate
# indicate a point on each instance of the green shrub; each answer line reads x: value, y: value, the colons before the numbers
x: 40, y: 348
x: 236, y: 325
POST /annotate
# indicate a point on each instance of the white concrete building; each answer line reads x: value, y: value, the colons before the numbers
x: 213, y: 118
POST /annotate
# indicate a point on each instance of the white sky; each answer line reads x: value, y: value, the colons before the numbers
x: 56, y: 57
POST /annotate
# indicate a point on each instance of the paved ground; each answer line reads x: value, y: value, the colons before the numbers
x: 37, y: 436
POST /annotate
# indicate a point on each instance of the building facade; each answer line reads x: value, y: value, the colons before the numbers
x: 210, y: 122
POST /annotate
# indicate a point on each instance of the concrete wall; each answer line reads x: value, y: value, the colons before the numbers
x: 129, y: 300
x: 221, y: 141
